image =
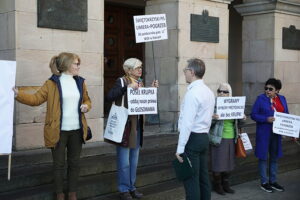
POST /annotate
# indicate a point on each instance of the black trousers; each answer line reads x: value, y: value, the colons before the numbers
x: 198, y: 186
x: 72, y: 141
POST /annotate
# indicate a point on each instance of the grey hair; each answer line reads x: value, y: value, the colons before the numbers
x: 131, y: 63
x: 198, y: 66
x: 228, y: 88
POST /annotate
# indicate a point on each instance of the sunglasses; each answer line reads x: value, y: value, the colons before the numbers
x: 223, y: 91
x: 269, y: 88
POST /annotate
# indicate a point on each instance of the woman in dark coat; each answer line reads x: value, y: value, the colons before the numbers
x: 128, y: 150
x: 267, y: 142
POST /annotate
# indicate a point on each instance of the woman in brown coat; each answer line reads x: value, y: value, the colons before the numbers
x: 65, y: 124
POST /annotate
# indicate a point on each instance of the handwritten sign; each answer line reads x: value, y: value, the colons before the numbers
x: 7, y: 82
x: 142, y: 101
x: 286, y: 124
x: 150, y: 28
x: 231, y: 107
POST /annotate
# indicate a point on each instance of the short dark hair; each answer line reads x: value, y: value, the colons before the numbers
x: 198, y: 66
x: 274, y: 82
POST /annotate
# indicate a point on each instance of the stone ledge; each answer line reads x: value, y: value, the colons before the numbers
x: 263, y: 7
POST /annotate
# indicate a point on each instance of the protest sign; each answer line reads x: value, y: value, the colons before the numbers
x: 231, y: 107
x: 7, y: 82
x: 150, y: 28
x: 246, y: 141
x: 142, y: 101
x: 286, y: 124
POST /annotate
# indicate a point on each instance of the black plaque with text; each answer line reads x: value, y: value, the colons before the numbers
x: 63, y: 14
x: 291, y: 38
x: 204, y: 28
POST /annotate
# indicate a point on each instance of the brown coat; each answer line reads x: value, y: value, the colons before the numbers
x: 50, y: 92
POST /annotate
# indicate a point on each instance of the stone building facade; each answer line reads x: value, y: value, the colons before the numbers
x: 249, y: 52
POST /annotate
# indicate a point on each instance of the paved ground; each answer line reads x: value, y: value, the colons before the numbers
x: 251, y: 190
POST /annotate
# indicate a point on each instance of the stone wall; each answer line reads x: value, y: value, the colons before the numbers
x: 166, y: 62
x: 171, y: 55
x: 7, y: 30
x: 287, y: 62
x: 258, y: 53
x: 263, y: 55
x: 215, y: 55
x: 33, y: 47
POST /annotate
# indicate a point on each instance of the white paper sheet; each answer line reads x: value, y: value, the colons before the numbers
x: 7, y: 82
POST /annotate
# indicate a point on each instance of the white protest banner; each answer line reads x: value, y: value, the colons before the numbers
x: 142, y: 101
x: 7, y: 82
x: 150, y: 28
x: 246, y: 141
x: 286, y: 124
x: 231, y: 107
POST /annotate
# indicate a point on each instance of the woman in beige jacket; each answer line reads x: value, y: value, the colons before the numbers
x: 65, y: 123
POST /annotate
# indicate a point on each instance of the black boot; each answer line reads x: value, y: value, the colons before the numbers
x: 217, y: 182
x: 225, y: 182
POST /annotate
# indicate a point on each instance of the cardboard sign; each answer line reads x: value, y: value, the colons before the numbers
x: 231, y: 107
x: 142, y: 101
x: 286, y: 124
x: 150, y: 28
x: 7, y: 82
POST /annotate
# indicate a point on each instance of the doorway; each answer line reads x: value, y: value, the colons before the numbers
x: 119, y: 43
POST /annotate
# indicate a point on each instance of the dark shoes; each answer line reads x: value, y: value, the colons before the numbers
x: 272, y: 186
x: 218, y: 188
x: 130, y: 195
x: 277, y: 187
x: 266, y: 187
x: 135, y: 194
x: 227, y: 188
x: 125, y: 196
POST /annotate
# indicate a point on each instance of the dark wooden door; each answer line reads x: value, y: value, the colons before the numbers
x: 119, y: 44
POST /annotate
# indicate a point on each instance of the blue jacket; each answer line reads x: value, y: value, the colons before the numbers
x: 261, y: 110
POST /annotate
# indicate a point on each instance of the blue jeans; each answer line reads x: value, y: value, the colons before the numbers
x: 127, y: 161
x: 262, y: 164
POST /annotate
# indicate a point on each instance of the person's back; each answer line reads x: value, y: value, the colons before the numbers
x: 205, y: 100
x: 194, y: 123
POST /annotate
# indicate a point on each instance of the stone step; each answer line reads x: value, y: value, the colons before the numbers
x: 39, y: 174
x: 39, y: 156
x: 167, y: 190
x: 95, y: 185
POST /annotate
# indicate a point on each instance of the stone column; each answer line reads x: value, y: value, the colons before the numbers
x: 263, y: 55
x: 32, y: 48
x: 171, y: 55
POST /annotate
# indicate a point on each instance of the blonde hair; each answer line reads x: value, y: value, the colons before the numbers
x: 228, y: 88
x: 62, y: 62
x: 131, y: 63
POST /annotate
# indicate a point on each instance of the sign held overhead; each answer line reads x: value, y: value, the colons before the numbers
x: 150, y: 28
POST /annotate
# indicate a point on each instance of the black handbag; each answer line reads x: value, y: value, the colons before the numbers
x: 183, y: 170
x: 89, y: 134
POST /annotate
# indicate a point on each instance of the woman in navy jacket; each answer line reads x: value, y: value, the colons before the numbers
x: 267, y: 142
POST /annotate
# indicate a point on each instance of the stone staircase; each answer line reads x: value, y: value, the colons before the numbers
x: 32, y: 171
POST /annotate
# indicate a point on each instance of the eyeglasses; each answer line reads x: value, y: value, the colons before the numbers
x: 223, y: 91
x: 138, y: 68
x: 269, y: 88
x: 77, y: 64
x: 187, y: 69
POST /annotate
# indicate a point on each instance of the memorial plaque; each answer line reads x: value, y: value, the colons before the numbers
x: 291, y: 38
x: 204, y: 28
x: 63, y: 14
